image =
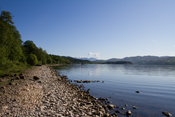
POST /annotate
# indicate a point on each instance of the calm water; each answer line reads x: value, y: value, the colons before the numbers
x: 155, y: 83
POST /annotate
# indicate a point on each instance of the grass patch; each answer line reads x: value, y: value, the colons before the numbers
x: 13, y: 67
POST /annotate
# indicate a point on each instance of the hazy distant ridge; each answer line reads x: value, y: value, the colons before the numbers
x: 150, y: 60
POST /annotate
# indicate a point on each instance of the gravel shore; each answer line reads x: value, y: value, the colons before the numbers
x: 46, y: 94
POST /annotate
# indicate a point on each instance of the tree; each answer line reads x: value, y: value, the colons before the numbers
x: 10, y: 39
x: 49, y: 60
x: 29, y: 47
x: 32, y: 59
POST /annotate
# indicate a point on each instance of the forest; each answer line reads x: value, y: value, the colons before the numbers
x: 16, y: 55
x: 77, y: 61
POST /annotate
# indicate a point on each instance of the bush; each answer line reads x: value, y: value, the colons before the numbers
x: 32, y: 59
x: 49, y: 60
x: 39, y: 62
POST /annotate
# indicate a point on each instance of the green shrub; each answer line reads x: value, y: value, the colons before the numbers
x: 39, y: 62
x: 32, y: 59
x: 49, y: 60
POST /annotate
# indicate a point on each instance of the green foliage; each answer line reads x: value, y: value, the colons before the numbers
x: 117, y: 62
x: 14, y: 55
x: 78, y: 61
x: 59, y: 60
x: 6, y: 17
x: 10, y: 39
x: 32, y: 59
x: 49, y: 60
x: 29, y: 47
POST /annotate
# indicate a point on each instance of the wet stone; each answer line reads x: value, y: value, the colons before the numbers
x: 167, y: 114
x: 111, y: 107
x: 134, y: 107
x: 117, y: 111
x: 128, y: 112
x: 117, y: 107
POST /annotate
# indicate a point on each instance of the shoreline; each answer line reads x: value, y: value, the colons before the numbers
x: 47, y: 94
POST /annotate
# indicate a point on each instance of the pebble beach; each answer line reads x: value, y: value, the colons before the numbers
x: 40, y: 91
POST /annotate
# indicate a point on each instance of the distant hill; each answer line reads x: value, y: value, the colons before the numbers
x: 113, y: 60
x: 117, y: 62
x: 141, y: 59
x: 89, y: 59
x: 144, y: 60
x: 151, y: 60
x: 77, y: 61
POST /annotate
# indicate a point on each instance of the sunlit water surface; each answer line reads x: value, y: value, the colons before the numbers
x: 156, y: 84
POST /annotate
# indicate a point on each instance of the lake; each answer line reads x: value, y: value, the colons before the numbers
x: 156, y: 84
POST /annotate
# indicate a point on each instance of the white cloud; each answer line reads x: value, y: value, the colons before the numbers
x: 82, y: 57
x: 96, y: 55
x: 90, y: 53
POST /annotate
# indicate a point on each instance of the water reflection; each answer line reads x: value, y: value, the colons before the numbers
x: 97, y: 69
x: 149, y: 70
x: 155, y: 82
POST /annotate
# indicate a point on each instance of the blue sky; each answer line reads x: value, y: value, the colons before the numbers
x: 97, y: 28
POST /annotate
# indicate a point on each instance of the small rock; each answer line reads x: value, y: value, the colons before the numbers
x: 167, y: 114
x: 11, y: 83
x: 137, y: 91
x: 111, y: 107
x: 123, y: 108
x: 114, y: 115
x: 122, y: 113
x: 117, y: 111
x: 39, y: 81
x: 17, y: 77
x: 108, y: 102
x: 88, y: 90
x: 128, y: 112
x: 4, y: 107
x: 117, y: 107
x: 134, y: 107
x: 107, y: 115
x: 12, y: 79
x: 79, y: 81
x: 126, y: 105
x: 59, y: 78
x: 21, y: 76
x: 35, y: 77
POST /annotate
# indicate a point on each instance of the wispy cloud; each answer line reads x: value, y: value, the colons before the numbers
x: 90, y: 53
x: 96, y: 55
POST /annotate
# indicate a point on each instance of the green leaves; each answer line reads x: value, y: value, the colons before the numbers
x: 32, y: 59
x: 13, y: 53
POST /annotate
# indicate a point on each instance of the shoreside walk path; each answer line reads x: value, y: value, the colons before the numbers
x: 40, y: 91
